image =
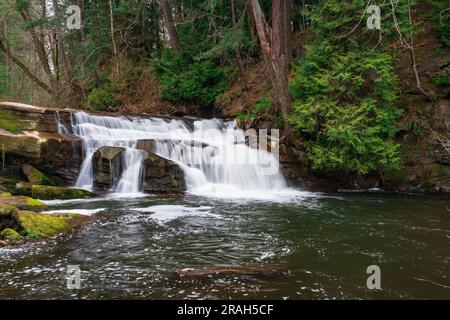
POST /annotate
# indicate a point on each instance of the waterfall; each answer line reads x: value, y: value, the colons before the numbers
x: 212, y: 153
x: 61, y: 128
x: 132, y: 163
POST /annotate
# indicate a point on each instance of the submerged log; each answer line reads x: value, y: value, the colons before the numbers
x: 227, y: 271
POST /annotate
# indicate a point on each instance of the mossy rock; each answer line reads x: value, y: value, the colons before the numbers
x: 32, y: 203
x: 33, y: 224
x: 50, y: 193
x: 8, y: 202
x: 23, y: 189
x: 10, y: 122
x: 11, y: 235
x: 36, y: 177
x: 6, y: 210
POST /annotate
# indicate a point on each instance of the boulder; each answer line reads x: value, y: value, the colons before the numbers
x: 162, y: 175
x: 50, y: 193
x: 107, y: 162
x: 19, y: 219
x: 8, y: 202
x: 33, y: 224
x: 35, y: 176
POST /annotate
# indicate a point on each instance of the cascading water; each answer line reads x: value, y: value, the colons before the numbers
x: 213, y: 154
x: 132, y: 163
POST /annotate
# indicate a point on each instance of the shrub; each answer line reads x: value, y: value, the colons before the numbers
x: 183, y: 79
x: 262, y: 105
x: 344, y: 98
x: 101, y: 99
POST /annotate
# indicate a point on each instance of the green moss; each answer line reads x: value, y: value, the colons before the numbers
x: 8, y: 202
x: 6, y: 210
x: 33, y: 202
x: 9, y: 122
x: 49, y: 193
x: 36, y: 177
x: 264, y: 104
x: 10, y: 234
x: 34, y: 224
x: 23, y: 189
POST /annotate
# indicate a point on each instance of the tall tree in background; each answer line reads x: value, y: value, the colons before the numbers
x: 239, y: 60
x: 41, y: 73
x: 170, y: 25
x: 113, y: 41
x: 274, y: 48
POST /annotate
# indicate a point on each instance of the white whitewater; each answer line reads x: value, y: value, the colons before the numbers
x: 212, y: 154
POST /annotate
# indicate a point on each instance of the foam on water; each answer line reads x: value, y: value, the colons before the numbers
x: 84, y: 212
x: 166, y: 213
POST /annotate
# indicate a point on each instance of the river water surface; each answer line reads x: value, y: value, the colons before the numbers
x: 311, y: 246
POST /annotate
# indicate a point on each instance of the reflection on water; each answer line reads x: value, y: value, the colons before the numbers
x: 317, y: 247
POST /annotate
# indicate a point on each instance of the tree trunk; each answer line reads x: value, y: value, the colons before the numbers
x: 238, y: 51
x: 83, y: 36
x: 39, y: 45
x: 251, y: 25
x: 61, y: 52
x: 156, y: 28
x: 113, y: 41
x: 288, y: 30
x: 173, y: 35
x: 273, y: 46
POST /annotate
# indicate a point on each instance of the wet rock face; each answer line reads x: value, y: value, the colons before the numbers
x: 20, y: 144
x: 54, y: 153
x: 162, y: 175
x: 52, y: 149
x: 107, y: 163
x: 60, y: 151
x: 15, y: 117
x: 29, y: 134
x: 433, y: 177
x: 148, y: 145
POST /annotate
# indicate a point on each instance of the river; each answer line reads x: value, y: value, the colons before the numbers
x: 319, y: 247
